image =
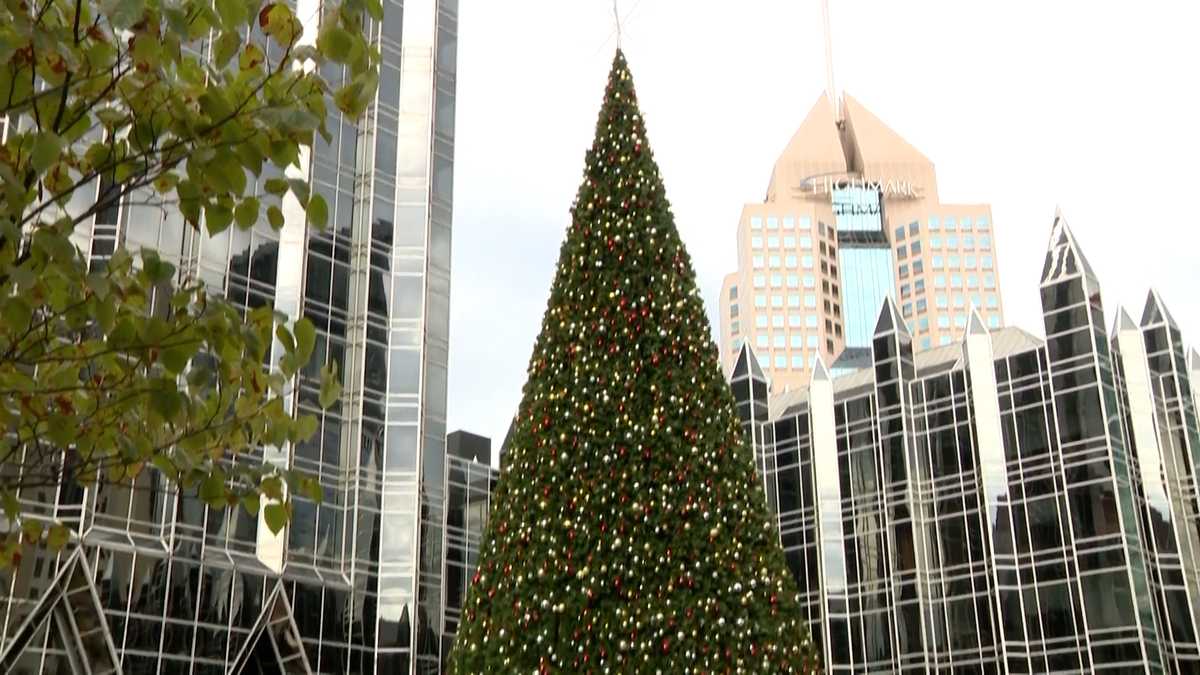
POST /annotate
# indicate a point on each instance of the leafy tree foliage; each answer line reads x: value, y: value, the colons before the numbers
x: 629, y: 531
x: 114, y: 366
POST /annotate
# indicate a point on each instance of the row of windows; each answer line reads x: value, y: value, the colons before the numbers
x: 774, y: 222
x: 792, y: 280
x: 788, y: 241
x: 793, y: 321
x: 984, y: 262
x: 983, y: 242
x: 783, y: 362
x: 763, y: 341
x: 960, y: 301
x: 789, y: 261
x: 971, y: 281
x: 793, y: 300
x: 964, y: 223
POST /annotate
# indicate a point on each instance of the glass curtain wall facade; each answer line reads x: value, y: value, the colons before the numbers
x: 356, y: 581
x: 1005, y: 504
x: 865, y: 258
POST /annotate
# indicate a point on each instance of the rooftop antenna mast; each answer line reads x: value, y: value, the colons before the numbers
x: 830, y: 88
x: 617, y: 19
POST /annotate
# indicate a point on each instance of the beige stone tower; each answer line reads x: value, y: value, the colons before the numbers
x: 852, y: 215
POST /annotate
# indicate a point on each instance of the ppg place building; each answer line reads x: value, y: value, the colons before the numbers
x: 1002, y: 504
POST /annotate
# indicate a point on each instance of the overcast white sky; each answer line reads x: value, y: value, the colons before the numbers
x: 1022, y: 104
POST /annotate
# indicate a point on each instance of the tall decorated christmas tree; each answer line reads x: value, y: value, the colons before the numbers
x: 629, y: 531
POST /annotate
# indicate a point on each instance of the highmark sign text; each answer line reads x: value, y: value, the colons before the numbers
x: 885, y: 188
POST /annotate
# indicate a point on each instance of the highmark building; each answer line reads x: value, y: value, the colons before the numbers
x: 851, y: 216
x: 1000, y: 504
x: 162, y: 584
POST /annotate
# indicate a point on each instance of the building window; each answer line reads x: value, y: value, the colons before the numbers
x: 794, y: 320
x: 755, y: 242
x: 914, y: 227
x: 904, y: 271
x: 935, y: 242
x: 901, y: 252
x: 993, y: 321
x: 950, y: 224
x: 905, y: 289
x: 777, y: 321
x: 777, y: 301
x: 942, y: 301
x: 780, y: 361
x: 760, y: 300
x: 972, y: 281
x: 968, y: 241
x: 900, y: 233
x: 919, y: 286
x: 936, y: 263
x: 793, y: 281
x: 960, y: 321
x: 943, y: 322
x: 793, y: 300
x: 810, y: 281
x: 993, y: 301
x: 733, y: 311
x: 760, y: 280
x: 981, y: 223
x: 811, y: 321
x: 791, y: 262
x: 906, y: 310
x: 761, y: 341
x: 773, y: 241
x: 915, y: 248
x: 733, y: 292
x: 772, y: 223
x: 776, y: 280
x: 810, y: 300
x: 985, y: 242
x: 789, y: 242
x: 806, y: 242
x: 798, y: 361
x: 969, y: 261
x: 944, y: 340
x: 926, y: 343
x: 758, y: 262
x: 760, y: 321
x: 939, y: 281
x: 985, y: 262
x: 953, y: 261
x: 764, y: 360
x: 797, y: 341
x: 966, y: 223
x: 921, y: 305
x: 805, y: 223
x: 918, y: 266
x: 989, y: 281
x: 807, y: 262
x: 960, y: 301
x: 733, y: 327
x: 923, y: 323
x: 934, y: 223
x: 956, y: 281
x: 780, y: 340
x: 789, y: 222
x: 774, y: 261
x: 756, y: 222
x: 951, y: 242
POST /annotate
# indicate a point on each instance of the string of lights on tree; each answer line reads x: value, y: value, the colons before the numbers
x: 629, y: 531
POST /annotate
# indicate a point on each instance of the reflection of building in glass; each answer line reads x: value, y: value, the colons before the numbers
x: 852, y: 215
x: 470, y: 480
x: 1000, y: 504
x: 354, y: 584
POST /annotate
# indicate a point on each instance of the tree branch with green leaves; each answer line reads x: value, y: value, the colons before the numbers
x: 113, y: 367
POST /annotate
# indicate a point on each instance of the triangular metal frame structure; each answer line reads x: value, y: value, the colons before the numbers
x: 278, y: 624
x: 72, y: 605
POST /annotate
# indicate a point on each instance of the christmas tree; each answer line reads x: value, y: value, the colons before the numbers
x: 629, y: 531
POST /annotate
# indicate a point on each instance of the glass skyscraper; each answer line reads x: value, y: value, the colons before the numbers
x: 1002, y: 504
x: 159, y: 582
